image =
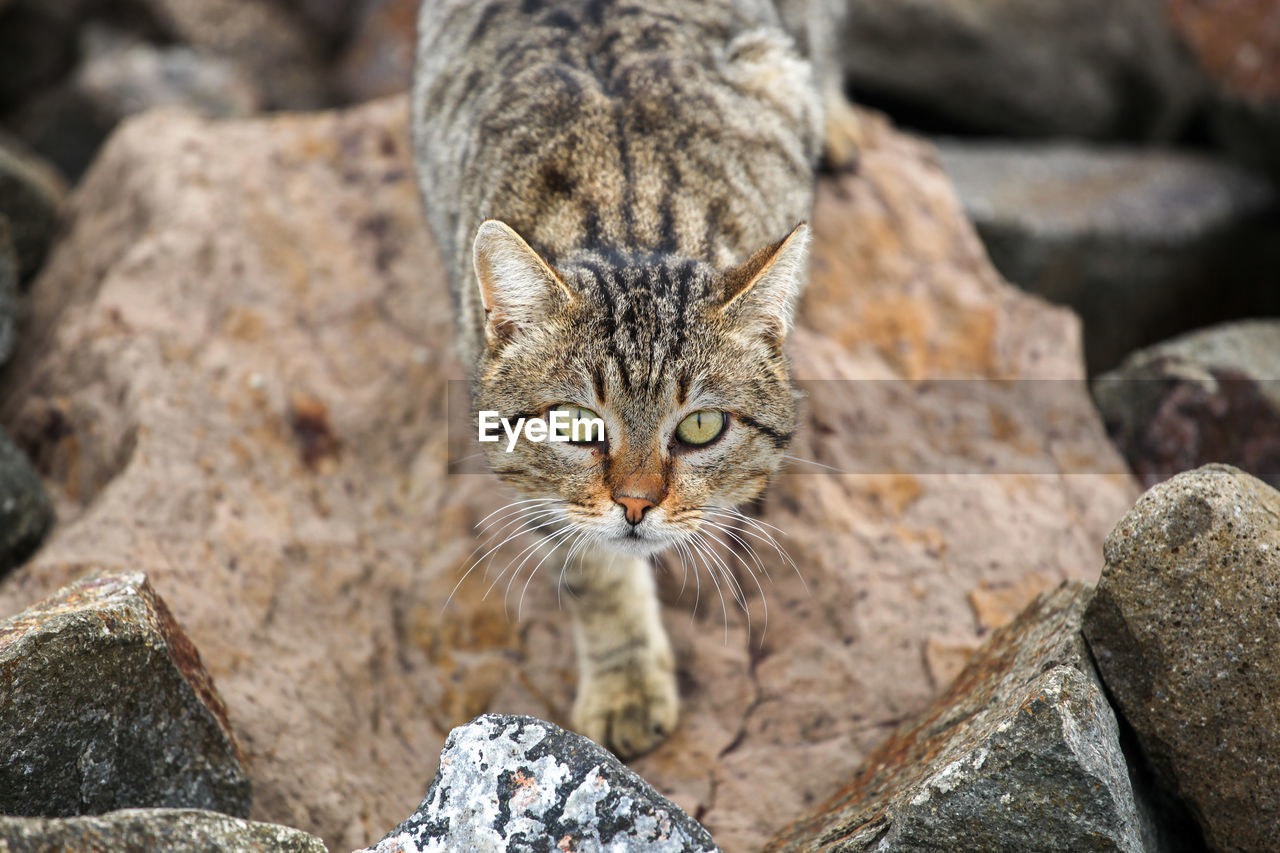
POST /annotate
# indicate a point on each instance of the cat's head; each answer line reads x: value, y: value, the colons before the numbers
x: 681, y: 362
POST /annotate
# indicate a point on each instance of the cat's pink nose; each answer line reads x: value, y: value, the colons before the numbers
x: 635, y: 507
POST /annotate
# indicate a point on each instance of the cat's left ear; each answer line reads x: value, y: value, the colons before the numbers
x: 518, y: 288
x: 763, y: 291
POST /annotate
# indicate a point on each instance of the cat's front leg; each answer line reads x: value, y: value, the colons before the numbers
x: 627, y: 697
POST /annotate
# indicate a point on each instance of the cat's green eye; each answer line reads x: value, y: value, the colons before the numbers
x: 701, y: 428
x: 575, y: 424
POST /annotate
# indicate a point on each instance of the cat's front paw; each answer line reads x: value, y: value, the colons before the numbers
x: 631, y: 708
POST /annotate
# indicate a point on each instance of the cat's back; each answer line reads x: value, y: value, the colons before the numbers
x: 676, y: 127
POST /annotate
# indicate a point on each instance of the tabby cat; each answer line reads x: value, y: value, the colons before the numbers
x: 620, y: 190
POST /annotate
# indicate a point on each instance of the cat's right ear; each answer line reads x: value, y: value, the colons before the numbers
x: 518, y: 288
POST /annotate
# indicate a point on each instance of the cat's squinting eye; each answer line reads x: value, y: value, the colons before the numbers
x: 700, y: 428
x: 581, y: 417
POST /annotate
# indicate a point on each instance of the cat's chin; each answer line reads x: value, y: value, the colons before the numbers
x: 636, y: 546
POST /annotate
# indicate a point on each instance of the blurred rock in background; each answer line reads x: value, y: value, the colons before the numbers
x: 1210, y: 396
x: 71, y: 69
x: 378, y: 56
x: 1094, y: 69
x: 1236, y: 46
x: 31, y: 194
x: 1142, y: 243
x: 120, y: 74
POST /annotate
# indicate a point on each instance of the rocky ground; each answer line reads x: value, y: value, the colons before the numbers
x: 227, y: 377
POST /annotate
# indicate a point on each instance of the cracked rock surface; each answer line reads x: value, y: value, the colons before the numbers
x: 234, y: 378
x: 104, y: 704
x: 518, y: 783
x: 1022, y: 752
x: 1185, y: 633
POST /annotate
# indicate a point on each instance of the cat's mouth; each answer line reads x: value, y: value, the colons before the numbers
x: 639, y: 540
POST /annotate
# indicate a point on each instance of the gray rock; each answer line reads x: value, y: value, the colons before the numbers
x: 1184, y: 631
x: 119, y: 74
x: 266, y: 40
x: 518, y: 783
x: 104, y: 704
x: 31, y: 194
x: 1021, y: 753
x: 8, y: 291
x: 1092, y: 68
x: 1143, y: 244
x: 169, y: 830
x: 1210, y: 396
x: 1164, y: 821
x: 26, y: 513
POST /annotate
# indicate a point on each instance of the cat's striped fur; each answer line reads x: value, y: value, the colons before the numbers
x: 618, y: 188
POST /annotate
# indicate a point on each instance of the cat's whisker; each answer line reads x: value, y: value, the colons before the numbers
x: 516, y: 506
x: 724, y: 608
x: 759, y: 532
x: 576, y: 540
x: 553, y: 543
x: 524, y: 513
x: 684, y: 571
x: 816, y: 464
x: 480, y: 525
x: 697, y: 579
x: 732, y: 532
x: 523, y: 551
x: 730, y: 578
x: 737, y: 513
x: 472, y: 567
x: 764, y: 601
x: 588, y: 539
x: 735, y: 586
x: 524, y: 556
x: 530, y: 519
x: 526, y: 524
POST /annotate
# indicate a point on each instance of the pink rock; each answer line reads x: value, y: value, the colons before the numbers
x: 220, y: 279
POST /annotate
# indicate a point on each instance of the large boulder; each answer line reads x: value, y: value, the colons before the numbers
x: 1143, y: 244
x: 1209, y: 396
x: 1090, y: 68
x: 1184, y: 631
x: 170, y: 830
x: 518, y: 783
x: 1021, y: 752
x: 234, y: 378
x: 104, y: 705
